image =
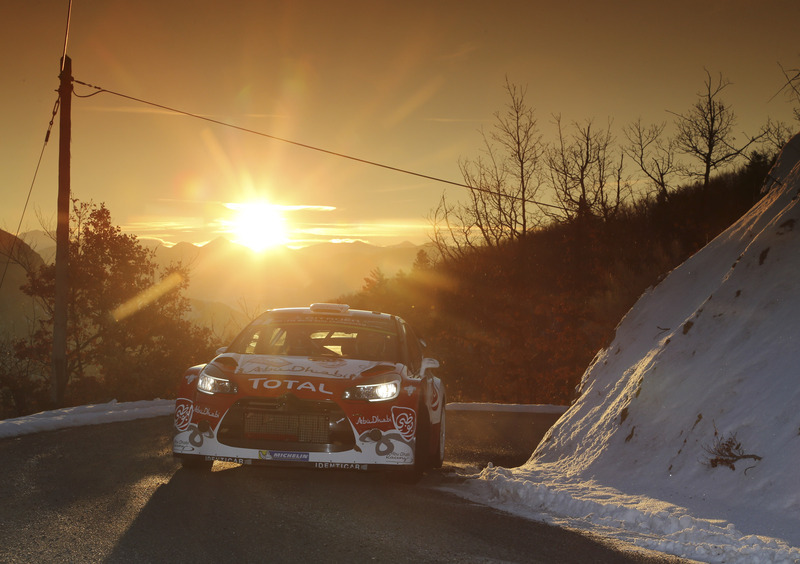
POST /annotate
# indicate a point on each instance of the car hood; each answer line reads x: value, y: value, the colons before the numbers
x: 318, y: 367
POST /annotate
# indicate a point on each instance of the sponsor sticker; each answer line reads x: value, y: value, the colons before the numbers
x: 286, y: 456
x: 326, y: 371
x: 196, y: 435
x: 229, y: 459
x: 385, y: 443
x: 340, y: 466
x: 274, y: 363
x: 270, y: 384
x: 183, y: 413
x: 405, y: 421
x: 434, y: 397
x: 179, y: 445
x: 204, y: 410
x: 403, y: 457
x: 372, y: 420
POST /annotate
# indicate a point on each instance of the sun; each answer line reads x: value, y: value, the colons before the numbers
x: 258, y: 225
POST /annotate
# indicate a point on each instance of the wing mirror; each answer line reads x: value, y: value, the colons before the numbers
x: 428, y: 364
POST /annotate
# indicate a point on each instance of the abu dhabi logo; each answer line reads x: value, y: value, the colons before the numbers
x: 183, y: 413
x: 405, y: 421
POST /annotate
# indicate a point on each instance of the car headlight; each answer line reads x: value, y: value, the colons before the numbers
x: 213, y: 385
x: 380, y: 391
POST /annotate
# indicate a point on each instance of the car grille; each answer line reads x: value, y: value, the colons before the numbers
x: 286, y: 423
x: 297, y: 427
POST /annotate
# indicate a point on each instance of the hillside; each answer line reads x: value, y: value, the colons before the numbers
x: 686, y: 434
x: 17, y: 309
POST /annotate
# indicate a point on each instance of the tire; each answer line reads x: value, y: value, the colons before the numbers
x: 411, y: 476
x: 438, y: 457
x: 196, y: 463
x: 422, y: 451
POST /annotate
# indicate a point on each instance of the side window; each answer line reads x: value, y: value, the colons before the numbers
x: 414, y: 349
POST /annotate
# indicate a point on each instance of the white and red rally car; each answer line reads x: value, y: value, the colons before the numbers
x: 323, y: 386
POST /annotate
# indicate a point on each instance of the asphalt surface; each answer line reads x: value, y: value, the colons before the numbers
x: 113, y: 493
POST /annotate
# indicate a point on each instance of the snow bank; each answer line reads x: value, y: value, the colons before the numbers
x: 686, y: 435
x: 126, y: 411
x: 84, y: 415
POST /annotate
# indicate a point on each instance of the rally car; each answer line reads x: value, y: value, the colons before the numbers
x: 324, y: 386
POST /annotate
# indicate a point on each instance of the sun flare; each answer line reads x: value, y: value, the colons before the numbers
x: 258, y: 225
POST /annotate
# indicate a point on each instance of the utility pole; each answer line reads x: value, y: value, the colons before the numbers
x: 59, y: 359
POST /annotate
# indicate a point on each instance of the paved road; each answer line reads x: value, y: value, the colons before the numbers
x: 113, y: 493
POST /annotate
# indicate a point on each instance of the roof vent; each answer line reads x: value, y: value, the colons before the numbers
x: 330, y: 308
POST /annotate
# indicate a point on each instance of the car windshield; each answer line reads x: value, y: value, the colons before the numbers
x: 319, y: 336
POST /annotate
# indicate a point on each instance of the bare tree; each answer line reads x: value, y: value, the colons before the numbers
x: 503, y: 182
x: 653, y: 153
x: 776, y: 135
x: 454, y: 232
x: 705, y: 131
x: 517, y: 133
x: 792, y: 87
x: 585, y: 176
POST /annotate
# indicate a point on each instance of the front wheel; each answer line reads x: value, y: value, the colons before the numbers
x: 422, y: 449
x: 197, y: 463
x: 438, y: 458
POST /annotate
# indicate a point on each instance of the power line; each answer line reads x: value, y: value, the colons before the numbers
x: 41, y: 154
x: 30, y: 190
x: 267, y: 135
x: 100, y: 90
x: 66, y: 35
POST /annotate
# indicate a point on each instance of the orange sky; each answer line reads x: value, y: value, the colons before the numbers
x: 407, y: 84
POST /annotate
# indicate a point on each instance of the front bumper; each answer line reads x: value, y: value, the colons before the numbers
x: 290, y: 431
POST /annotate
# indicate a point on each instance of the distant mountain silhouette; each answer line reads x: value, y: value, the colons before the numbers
x: 42, y: 242
x: 17, y: 311
x: 225, y: 272
x: 229, y: 283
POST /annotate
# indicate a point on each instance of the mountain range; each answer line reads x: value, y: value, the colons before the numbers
x: 229, y: 282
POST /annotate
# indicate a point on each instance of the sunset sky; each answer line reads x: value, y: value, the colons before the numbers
x: 405, y: 84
